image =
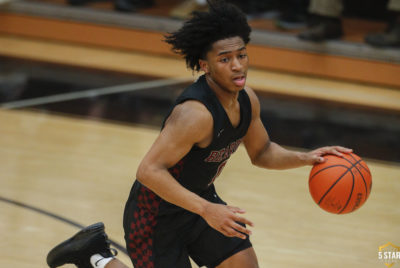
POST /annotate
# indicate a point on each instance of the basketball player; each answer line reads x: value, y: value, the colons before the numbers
x: 173, y: 211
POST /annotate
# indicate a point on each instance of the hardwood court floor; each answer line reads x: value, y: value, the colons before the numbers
x: 82, y: 170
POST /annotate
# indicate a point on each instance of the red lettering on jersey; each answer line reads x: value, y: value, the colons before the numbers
x: 225, y: 153
x: 213, y: 155
x: 222, y: 154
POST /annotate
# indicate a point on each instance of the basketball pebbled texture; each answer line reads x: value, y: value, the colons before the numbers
x: 340, y: 185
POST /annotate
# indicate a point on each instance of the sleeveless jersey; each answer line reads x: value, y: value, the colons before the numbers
x: 198, y: 169
x: 157, y: 231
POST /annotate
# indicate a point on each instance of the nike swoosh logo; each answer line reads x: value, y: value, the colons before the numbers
x: 95, y: 264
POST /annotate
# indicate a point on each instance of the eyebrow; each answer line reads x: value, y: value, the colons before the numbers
x: 229, y: 51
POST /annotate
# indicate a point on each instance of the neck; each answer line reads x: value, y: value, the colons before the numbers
x: 226, y: 97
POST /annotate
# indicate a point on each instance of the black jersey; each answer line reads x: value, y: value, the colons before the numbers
x: 161, y: 234
x: 198, y: 169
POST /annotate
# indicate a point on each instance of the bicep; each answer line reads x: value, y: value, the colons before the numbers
x: 257, y: 139
x: 169, y: 147
x: 187, y: 125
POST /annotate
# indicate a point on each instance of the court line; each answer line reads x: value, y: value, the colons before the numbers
x: 57, y: 217
x: 94, y: 93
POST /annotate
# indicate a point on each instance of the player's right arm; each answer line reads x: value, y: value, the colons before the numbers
x: 189, y: 124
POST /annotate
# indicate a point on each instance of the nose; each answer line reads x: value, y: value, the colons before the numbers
x: 236, y: 65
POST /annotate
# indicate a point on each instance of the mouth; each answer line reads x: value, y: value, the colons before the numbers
x: 239, y: 80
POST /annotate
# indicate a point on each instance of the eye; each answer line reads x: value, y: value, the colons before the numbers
x: 243, y: 55
x: 224, y: 60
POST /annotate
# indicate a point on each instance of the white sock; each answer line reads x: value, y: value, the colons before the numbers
x: 99, y: 261
x: 201, y: 2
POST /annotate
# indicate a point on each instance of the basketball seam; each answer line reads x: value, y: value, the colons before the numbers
x: 366, y: 169
x: 351, y: 192
x: 325, y: 169
x: 333, y: 185
x: 352, y: 156
x: 365, y: 183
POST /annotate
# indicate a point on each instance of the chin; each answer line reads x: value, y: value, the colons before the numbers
x: 235, y: 89
x: 238, y: 88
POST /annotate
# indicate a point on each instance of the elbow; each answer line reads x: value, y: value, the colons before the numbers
x: 265, y: 157
x: 255, y: 161
x: 148, y: 173
x: 261, y: 158
x: 260, y: 163
x: 142, y: 173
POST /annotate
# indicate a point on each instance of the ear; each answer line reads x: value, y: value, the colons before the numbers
x: 204, y: 66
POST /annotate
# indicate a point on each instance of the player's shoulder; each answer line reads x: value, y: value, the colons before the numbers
x: 255, y: 103
x: 250, y: 92
x: 192, y: 113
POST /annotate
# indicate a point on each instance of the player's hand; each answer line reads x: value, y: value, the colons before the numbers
x: 225, y: 220
x: 316, y: 156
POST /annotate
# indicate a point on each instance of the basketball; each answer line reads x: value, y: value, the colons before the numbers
x: 340, y: 185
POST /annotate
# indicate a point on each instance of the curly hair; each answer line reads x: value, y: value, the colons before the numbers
x: 195, y: 38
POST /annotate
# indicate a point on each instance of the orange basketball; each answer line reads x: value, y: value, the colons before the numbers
x: 341, y: 184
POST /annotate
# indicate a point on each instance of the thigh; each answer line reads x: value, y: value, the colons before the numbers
x: 139, y: 234
x: 151, y: 240
x: 212, y: 248
x: 243, y: 259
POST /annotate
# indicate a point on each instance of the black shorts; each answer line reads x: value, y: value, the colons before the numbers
x: 161, y: 237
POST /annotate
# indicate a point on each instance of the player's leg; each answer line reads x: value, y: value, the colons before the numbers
x: 243, y: 259
x: 88, y: 248
x: 153, y: 240
x: 213, y: 249
x: 208, y: 247
x: 115, y: 263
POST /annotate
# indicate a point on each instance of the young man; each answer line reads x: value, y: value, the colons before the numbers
x: 173, y: 211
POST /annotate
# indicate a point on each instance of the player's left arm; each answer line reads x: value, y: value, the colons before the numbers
x: 267, y: 154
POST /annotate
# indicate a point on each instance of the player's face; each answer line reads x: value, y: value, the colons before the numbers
x: 227, y: 63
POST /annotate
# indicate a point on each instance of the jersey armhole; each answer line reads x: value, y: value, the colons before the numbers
x: 195, y: 147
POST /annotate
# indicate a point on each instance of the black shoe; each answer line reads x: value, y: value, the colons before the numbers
x: 389, y: 38
x: 79, y: 248
x: 324, y: 29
